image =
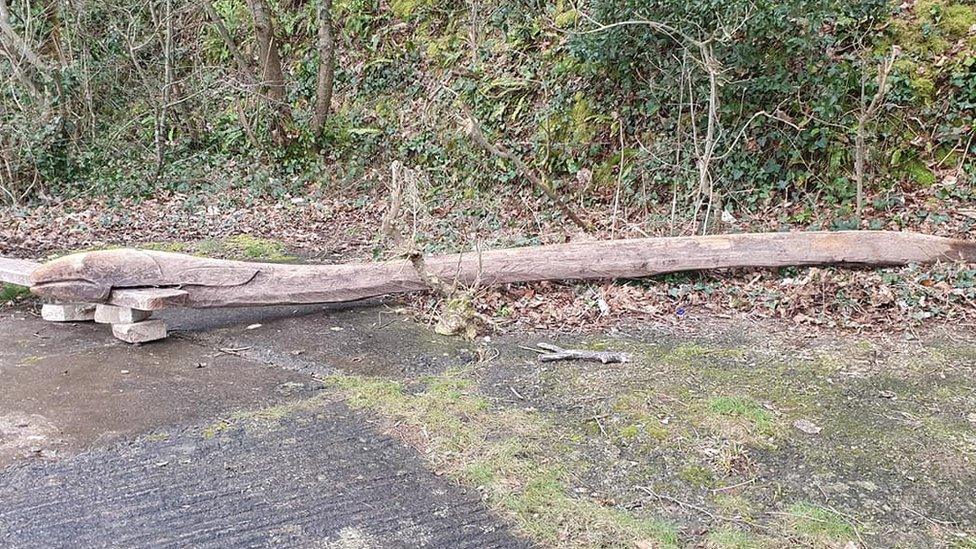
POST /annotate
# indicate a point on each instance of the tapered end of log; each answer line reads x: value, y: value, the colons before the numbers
x: 963, y: 250
x: 17, y: 271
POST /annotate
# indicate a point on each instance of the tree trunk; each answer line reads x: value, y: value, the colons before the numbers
x: 326, y: 76
x: 162, y: 128
x: 271, y: 76
x: 242, y: 65
x: 94, y: 276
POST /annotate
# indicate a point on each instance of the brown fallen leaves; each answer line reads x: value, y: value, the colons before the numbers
x: 894, y: 299
x: 334, y: 227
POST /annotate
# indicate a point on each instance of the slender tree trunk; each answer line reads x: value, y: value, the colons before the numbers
x: 326, y: 77
x: 161, y: 126
x: 272, y: 78
x: 17, y: 44
x: 243, y: 66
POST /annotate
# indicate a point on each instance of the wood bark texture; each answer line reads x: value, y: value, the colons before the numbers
x: 93, y: 276
x: 17, y: 271
x: 269, y: 60
x: 326, y: 72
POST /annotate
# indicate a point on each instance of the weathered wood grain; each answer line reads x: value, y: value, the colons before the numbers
x: 140, y: 332
x: 148, y: 299
x: 17, y: 271
x: 94, y: 276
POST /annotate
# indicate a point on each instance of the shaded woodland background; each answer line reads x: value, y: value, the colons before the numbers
x: 665, y: 113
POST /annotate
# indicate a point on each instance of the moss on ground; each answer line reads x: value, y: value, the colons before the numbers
x: 12, y: 292
x: 744, y: 409
x: 709, y: 425
x: 731, y: 538
x: 261, y: 418
x: 697, y: 476
x: 818, y: 524
x: 245, y: 247
x: 512, y: 455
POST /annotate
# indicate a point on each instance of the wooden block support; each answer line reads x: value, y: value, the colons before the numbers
x: 148, y: 299
x: 140, y: 332
x: 110, y: 314
x: 68, y: 312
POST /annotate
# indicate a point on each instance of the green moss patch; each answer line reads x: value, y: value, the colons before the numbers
x: 731, y: 538
x: 745, y: 409
x: 512, y: 455
x: 243, y: 246
x: 12, y: 292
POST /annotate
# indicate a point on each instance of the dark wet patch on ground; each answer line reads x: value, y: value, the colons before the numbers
x: 68, y: 387
x: 365, y: 339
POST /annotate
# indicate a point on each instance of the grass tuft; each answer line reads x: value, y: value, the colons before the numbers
x: 730, y: 538
x: 12, y: 292
x: 819, y: 523
x: 743, y: 408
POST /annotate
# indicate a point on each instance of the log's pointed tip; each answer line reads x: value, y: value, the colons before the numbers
x: 964, y: 250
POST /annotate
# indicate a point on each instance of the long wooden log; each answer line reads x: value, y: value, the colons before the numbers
x: 92, y: 276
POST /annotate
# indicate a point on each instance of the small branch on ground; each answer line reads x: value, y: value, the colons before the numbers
x: 558, y: 353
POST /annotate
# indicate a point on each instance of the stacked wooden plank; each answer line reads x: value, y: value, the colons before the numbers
x: 128, y: 310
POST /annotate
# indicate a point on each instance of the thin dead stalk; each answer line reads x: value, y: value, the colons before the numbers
x: 620, y: 179
x: 865, y: 117
x: 388, y: 227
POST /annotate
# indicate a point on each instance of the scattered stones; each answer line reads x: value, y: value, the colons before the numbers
x: 110, y: 314
x: 807, y: 426
x: 140, y: 332
x: 68, y: 312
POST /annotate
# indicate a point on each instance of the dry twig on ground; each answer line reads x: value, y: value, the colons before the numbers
x: 558, y: 353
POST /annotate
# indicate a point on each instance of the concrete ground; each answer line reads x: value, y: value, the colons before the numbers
x: 200, y: 441
x: 356, y: 427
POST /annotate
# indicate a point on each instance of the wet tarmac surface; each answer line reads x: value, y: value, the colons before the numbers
x: 108, y: 444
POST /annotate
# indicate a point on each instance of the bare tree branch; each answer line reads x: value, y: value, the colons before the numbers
x: 474, y: 132
x: 242, y: 65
